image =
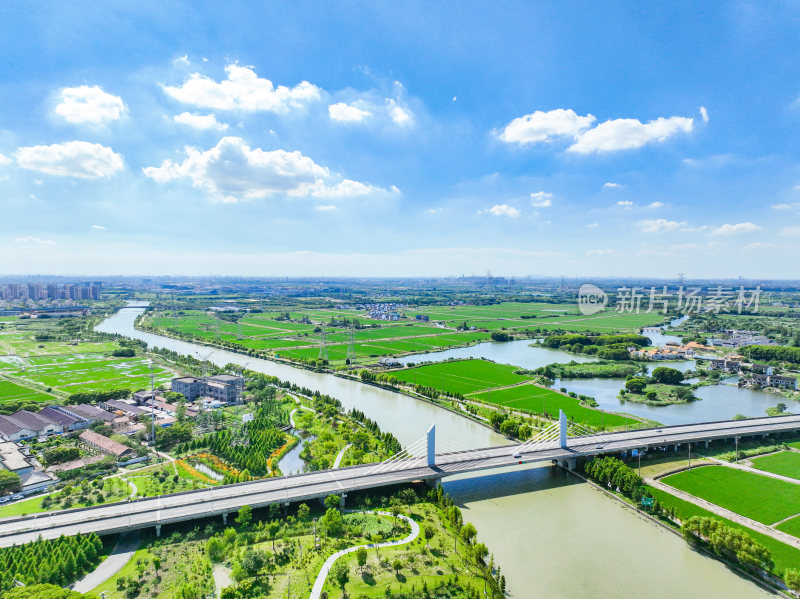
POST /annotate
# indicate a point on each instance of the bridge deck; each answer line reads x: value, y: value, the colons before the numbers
x: 191, y: 505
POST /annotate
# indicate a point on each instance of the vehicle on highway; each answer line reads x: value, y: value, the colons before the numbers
x: 598, y: 447
x: 517, y: 455
x: 5, y: 499
x: 17, y: 497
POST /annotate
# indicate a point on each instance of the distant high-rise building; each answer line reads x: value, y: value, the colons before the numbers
x: 52, y: 291
x: 34, y: 291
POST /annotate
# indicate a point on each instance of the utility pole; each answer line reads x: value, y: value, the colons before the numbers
x: 690, y: 456
x: 153, y: 408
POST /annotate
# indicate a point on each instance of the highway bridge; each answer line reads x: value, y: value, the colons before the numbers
x: 554, y: 445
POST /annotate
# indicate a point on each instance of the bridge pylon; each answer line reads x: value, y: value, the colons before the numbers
x: 431, y: 445
x: 562, y: 429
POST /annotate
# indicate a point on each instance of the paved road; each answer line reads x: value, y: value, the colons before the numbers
x: 126, y: 546
x: 340, y: 455
x: 190, y: 505
x: 316, y: 590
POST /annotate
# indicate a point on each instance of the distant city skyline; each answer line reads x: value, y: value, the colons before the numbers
x: 401, y: 140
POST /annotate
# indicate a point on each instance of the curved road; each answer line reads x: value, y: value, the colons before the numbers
x: 326, y: 567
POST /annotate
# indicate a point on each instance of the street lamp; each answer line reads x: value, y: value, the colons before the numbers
x: 153, y: 408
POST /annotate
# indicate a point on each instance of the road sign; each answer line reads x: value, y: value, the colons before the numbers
x: 647, y: 501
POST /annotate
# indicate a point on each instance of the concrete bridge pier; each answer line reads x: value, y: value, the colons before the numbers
x: 707, y: 442
x: 569, y: 463
x: 341, y: 499
x: 431, y: 445
x: 224, y: 519
x: 158, y: 530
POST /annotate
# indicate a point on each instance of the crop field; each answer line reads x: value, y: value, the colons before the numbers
x: 12, y: 392
x: 539, y: 400
x: 785, y: 463
x: 462, y: 376
x: 88, y: 372
x: 766, y: 500
x: 784, y: 556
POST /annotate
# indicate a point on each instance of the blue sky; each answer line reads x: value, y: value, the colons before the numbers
x: 335, y: 138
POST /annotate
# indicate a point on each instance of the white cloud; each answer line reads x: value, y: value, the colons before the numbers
x: 791, y: 206
x: 704, y: 114
x: 625, y: 203
x: 592, y: 225
x: 628, y: 134
x: 542, y: 199
x: 599, y: 252
x: 232, y: 169
x: 655, y: 205
x: 181, y: 59
x: 610, y: 185
x: 502, y: 210
x: 99, y: 228
x: 347, y: 113
x: 326, y: 208
x: 542, y: 126
x: 79, y: 159
x: 4, y: 160
x: 242, y: 90
x: 400, y: 115
x: 432, y: 210
x: 659, y: 225
x: 87, y: 104
x: 34, y: 241
x: 735, y: 229
x: 200, y: 121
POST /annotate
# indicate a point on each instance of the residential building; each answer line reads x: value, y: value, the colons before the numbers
x: 190, y: 387
x: 106, y: 445
x: 14, y: 458
x: 67, y: 422
x: 119, y: 405
x: 87, y: 412
x: 41, y: 426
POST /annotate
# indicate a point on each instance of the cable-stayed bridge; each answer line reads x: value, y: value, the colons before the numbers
x: 562, y: 442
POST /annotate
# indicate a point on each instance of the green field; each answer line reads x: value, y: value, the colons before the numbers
x: 539, y: 400
x: 12, y: 392
x: 766, y: 500
x: 785, y: 463
x: 784, y: 556
x: 462, y: 376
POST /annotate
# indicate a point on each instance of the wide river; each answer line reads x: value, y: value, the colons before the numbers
x: 555, y: 538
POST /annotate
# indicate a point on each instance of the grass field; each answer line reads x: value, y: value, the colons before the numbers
x: 783, y: 555
x: 785, y: 463
x: 539, y: 400
x: 462, y: 376
x: 791, y: 527
x: 766, y: 500
x: 11, y: 392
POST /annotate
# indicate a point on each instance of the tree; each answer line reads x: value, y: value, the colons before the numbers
x: 272, y: 531
x: 245, y: 516
x: 361, y: 557
x: 215, y: 549
x: 180, y: 413
x: 635, y: 385
x: 9, y: 482
x: 500, y: 336
x: 332, y: 501
x: 252, y: 562
x: 792, y: 578
x: 332, y: 523
x: 303, y: 512
x: 468, y: 533
x: 43, y: 591
x: 341, y: 575
x: 397, y: 565
x: 429, y: 532
x: 667, y: 376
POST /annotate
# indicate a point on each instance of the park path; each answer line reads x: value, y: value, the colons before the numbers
x: 126, y: 546
x: 340, y: 455
x: 733, y: 516
x: 326, y: 567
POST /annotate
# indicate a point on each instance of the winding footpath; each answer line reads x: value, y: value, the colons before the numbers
x: 340, y: 455
x: 126, y: 546
x: 326, y: 567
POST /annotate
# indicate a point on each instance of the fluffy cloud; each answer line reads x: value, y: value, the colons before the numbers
x: 4, y: 160
x: 87, y: 104
x: 792, y: 206
x: 542, y: 199
x: 735, y: 229
x: 400, y: 115
x: 502, y: 210
x: 99, y: 227
x: 232, y: 169
x: 610, y: 185
x: 242, y: 90
x: 625, y: 203
x: 704, y: 114
x: 655, y: 205
x: 326, y: 208
x: 659, y: 225
x: 628, y: 134
x: 347, y: 113
x: 79, y: 159
x: 545, y: 126
x: 34, y: 241
x: 200, y: 121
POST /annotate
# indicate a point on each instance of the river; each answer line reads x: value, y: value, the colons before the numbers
x: 554, y: 538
